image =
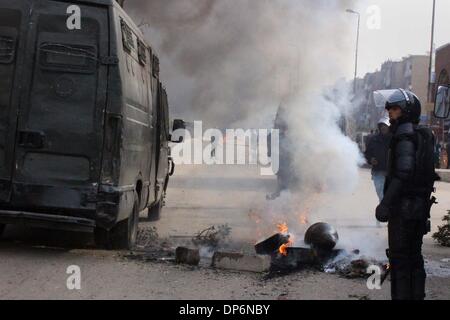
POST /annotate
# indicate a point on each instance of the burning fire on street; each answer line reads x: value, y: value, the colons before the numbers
x: 319, y: 250
x: 284, y: 229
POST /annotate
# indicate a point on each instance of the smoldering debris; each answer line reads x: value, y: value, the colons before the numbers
x: 351, y: 266
x: 188, y: 256
x: 340, y: 262
x: 319, y: 253
x: 189, y: 250
x: 150, y: 247
x: 147, y: 237
x: 272, y: 244
x: 205, y: 248
x: 211, y: 237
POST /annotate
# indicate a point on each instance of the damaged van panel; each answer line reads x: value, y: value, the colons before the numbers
x: 83, y: 120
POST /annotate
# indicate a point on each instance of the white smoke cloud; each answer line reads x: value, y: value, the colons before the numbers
x: 231, y: 64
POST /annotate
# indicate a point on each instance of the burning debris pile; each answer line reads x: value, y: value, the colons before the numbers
x: 278, y: 255
x: 317, y: 251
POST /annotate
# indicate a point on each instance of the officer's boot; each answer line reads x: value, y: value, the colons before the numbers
x: 418, y: 279
x: 401, y: 279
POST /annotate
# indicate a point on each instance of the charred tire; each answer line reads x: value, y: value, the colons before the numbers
x: 2, y: 229
x: 154, y: 213
x: 123, y: 236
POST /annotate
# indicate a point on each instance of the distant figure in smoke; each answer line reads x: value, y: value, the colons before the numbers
x: 377, y: 156
x: 409, y: 185
x: 285, y: 176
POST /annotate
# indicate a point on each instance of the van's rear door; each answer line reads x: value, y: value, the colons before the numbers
x: 13, y: 15
x: 59, y: 133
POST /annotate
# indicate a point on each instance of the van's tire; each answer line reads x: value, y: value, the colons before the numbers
x: 154, y: 212
x: 2, y: 229
x: 124, y: 235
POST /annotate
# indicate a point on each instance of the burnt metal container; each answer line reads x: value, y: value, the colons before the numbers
x: 322, y: 236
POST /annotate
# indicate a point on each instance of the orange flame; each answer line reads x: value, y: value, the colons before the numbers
x: 283, y: 228
x: 303, y: 219
x: 284, y: 248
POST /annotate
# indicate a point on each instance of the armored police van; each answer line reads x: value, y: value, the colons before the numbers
x: 84, y: 120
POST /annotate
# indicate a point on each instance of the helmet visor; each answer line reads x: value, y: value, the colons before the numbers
x: 384, y: 98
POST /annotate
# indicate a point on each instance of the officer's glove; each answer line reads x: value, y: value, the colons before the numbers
x: 383, y: 213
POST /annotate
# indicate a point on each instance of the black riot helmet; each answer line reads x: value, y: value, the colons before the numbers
x: 407, y: 101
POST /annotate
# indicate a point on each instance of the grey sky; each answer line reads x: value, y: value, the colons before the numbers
x: 405, y: 29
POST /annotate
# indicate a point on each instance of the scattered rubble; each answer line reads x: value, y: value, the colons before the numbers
x: 241, y: 262
x: 147, y: 237
x: 352, y: 266
x: 212, y: 236
x: 148, y: 255
x: 149, y: 247
x: 187, y: 256
x: 319, y: 253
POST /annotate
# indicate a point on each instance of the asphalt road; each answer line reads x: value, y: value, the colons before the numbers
x: 33, y: 263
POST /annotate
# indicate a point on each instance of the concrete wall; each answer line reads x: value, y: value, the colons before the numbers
x: 419, y: 78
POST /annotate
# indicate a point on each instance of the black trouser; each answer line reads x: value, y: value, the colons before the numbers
x: 407, y: 227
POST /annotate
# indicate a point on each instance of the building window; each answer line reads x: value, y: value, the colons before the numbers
x: 444, y: 78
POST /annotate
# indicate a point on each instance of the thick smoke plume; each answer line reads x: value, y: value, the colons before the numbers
x: 231, y: 63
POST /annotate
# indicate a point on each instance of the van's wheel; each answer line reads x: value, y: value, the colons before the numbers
x: 2, y: 229
x: 154, y: 213
x: 124, y: 235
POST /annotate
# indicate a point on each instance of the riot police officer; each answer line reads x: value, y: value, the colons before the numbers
x: 409, y: 185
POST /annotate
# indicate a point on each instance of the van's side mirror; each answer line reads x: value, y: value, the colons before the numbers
x: 442, y: 103
x: 178, y: 125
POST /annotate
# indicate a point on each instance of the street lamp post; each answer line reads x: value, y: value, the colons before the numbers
x: 430, y: 74
x: 357, y: 47
x: 430, y: 69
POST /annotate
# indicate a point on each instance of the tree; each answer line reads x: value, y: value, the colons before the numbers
x: 443, y: 234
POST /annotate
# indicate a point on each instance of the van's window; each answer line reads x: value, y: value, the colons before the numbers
x: 155, y: 66
x: 165, y: 107
x: 150, y: 54
x: 73, y: 58
x: 142, y: 54
x: 7, y: 49
x: 127, y: 37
